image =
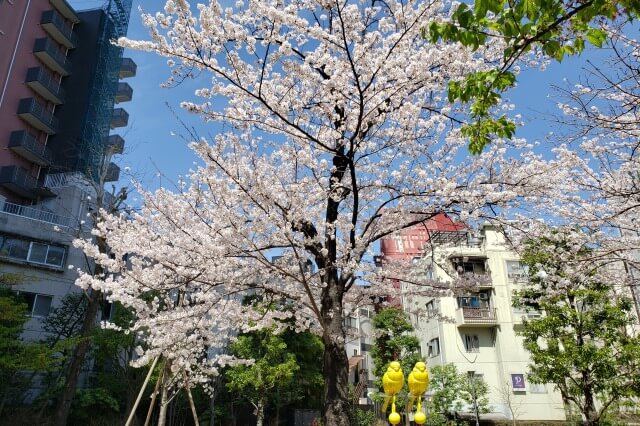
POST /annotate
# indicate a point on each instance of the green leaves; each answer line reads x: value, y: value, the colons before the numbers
x: 482, y: 89
x: 481, y: 131
x: 394, y: 341
x: 444, y: 385
x: 483, y: 6
x: 557, y: 27
x: 274, y: 365
x: 580, y: 344
x: 596, y: 36
x: 449, y: 389
x: 287, y: 367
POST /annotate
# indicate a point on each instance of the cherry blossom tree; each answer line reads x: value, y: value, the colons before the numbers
x: 600, y: 130
x: 336, y: 132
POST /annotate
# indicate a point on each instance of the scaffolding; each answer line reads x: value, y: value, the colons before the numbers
x: 97, y: 123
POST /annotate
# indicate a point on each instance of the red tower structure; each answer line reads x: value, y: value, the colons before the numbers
x: 410, y: 243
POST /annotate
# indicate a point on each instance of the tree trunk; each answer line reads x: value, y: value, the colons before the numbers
x: 335, y: 361
x: 4, y: 401
x: 78, y: 359
x: 260, y: 413
x: 212, y: 406
x: 590, y: 412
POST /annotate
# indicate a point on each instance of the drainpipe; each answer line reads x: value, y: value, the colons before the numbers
x: 15, y: 50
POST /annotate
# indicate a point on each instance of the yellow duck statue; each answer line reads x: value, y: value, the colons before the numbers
x: 392, y: 383
x: 418, y: 382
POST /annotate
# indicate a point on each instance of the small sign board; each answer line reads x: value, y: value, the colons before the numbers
x: 517, y: 382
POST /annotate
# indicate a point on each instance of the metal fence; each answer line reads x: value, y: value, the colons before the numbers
x: 36, y: 214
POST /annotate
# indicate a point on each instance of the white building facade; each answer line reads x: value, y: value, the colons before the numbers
x: 476, y: 330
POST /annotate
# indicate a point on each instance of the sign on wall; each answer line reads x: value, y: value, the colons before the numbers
x: 517, y: 382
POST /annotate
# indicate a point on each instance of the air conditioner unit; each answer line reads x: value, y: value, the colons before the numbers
x: 484, y: 296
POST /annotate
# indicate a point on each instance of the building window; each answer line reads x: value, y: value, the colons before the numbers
x: 32, y: 251
x: 516, y: 271
x: 47, y: 254
x: 432, y: 309
x: 465, y: 265
x: 106, y: 311
x: 478, y: 301
x: 366, y: 313
x: 422, y: 268
x: 350, y: 323
x: 433, y: 347
x: 39, y: 305
x: 471, y: 343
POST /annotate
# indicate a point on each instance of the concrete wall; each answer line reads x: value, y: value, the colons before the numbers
x: 42, y: 279
x: 20, y: 23
x: 500, y: 353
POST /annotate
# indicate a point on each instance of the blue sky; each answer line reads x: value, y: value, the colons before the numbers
x: 152, y: 144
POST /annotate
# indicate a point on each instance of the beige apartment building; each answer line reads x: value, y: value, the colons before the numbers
x: 476, y: 330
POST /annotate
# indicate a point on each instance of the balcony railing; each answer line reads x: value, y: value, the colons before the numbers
x: 115, y: 144
x: 58, y: 180
x: 119, y: 118
x: 45, y: 84
x: 65, y: 9
x: 56, y: 60
x: 520, y: 315
x: 518, y: 277
x: 54, y: 24
x: 36, y: 214
x: 128, y: 68
x: 34, y: 113
x: 25, y: 145
x: 476, y: 317
x: 124, y: 93
x: 18, y: 180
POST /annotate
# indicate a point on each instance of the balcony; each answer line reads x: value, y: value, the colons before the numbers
x: 128, y: 68
x: 476, y: 317
x: 55, y: 25
x: 45, y: 50
x: 113, y: 173
x: 34, y: 113
x: 65, y: 10
x: 44, y: 191
x: 35, y: 214
x: 18, y: 180
x: 519, y: 315
x: 124, y: 93
x: 25, y: 145
x: 115, y: 144
x: 45, y: 84
x: 119, y: 118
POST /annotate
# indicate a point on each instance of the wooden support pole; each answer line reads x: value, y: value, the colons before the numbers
x: 142, y: 388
